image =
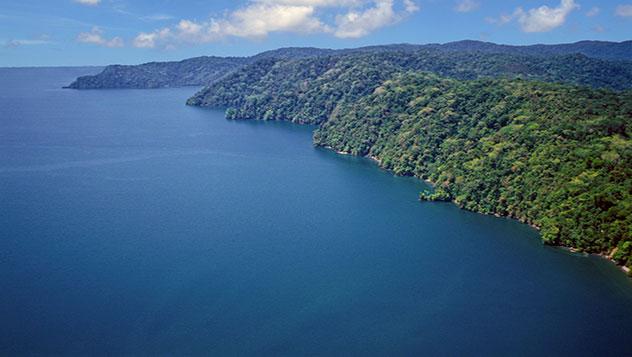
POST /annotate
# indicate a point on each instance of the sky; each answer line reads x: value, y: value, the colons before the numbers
x: 100, y: 32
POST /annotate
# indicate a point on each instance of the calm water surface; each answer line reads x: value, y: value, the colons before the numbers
x: 132, y: 224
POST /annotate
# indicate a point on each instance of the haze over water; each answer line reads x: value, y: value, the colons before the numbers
x: 133, y: 224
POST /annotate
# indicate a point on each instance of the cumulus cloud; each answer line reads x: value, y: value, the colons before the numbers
x: 259, y: 18
x: 95, y: 37
x: 624, y: 10
x: 540, y: 19
x: 544, y: 18
x: 88, y: 2
x: 253, y: 22
x: 466, y: 6
x: 356, y: 24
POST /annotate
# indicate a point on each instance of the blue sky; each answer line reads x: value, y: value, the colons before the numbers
x: 98, y: 32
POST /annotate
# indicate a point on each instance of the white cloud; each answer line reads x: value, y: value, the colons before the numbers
x: 540, y: 19
x: 466, y: 6
x: 95, y: 36
x: 544, y: 18
x: 624, y: 10
x: 252, y: 22
x: 259, y: 18
x: 314, y: 3
x: 356, y: 24
x: 88, y: 2
x: 148, y: 40
x: 594, y: 11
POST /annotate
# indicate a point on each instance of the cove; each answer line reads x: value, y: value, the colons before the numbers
x: 133, y: 224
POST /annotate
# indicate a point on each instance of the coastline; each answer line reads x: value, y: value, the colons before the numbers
x: 607, y: 256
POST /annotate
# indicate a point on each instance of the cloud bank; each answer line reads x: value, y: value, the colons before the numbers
x: 540, y: 19
x: 259, y: 18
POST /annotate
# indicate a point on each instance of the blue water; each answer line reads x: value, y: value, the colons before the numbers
x: 132, y: 224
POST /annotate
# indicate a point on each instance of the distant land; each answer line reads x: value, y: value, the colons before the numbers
x: 538, y: 133
x: 201, y: 71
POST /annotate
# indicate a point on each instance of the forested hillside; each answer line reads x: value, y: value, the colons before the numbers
x: 201, y: 71
x: 307, y: 90
x: 198, y: 71
x: 191, y: 72
x: 557, y: 156
x: 595, y: 49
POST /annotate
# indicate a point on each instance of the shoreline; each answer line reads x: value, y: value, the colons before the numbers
x: 627, y: 271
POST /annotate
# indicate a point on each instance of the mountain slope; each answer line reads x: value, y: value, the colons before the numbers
x: 556, y: 156
x: 191, y: 72
x: 307, y: 90
x: 204, y: 70
x: 594, y: 49
x: 196, y: 71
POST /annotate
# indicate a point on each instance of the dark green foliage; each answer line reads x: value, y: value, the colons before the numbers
x: 308, y: 90
x: 196, y: 71
x: 191, y: 72
x: 509, y: 61
x: 595, y: 49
